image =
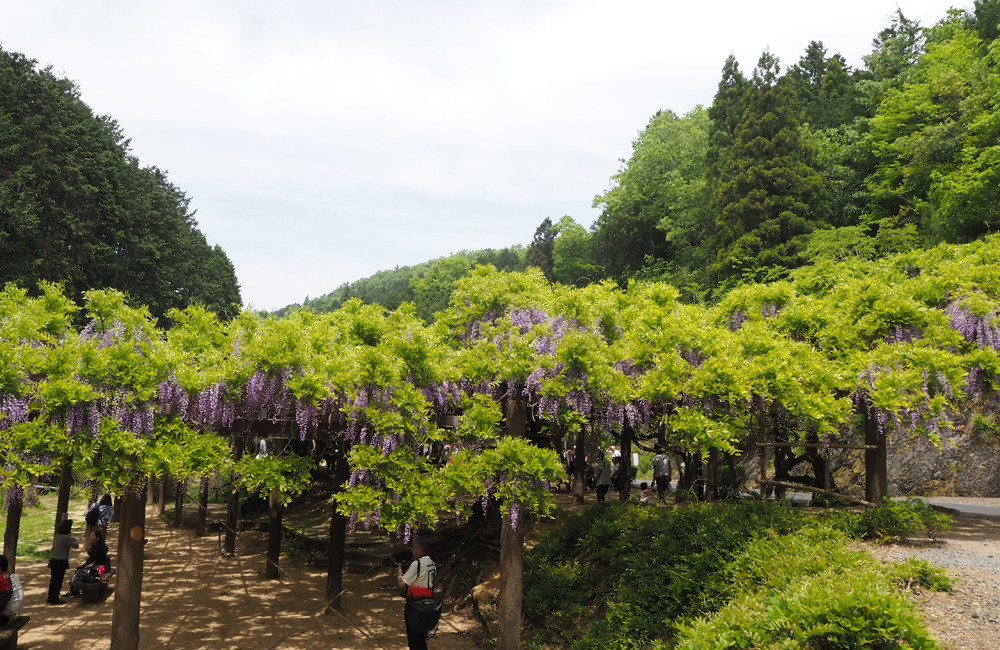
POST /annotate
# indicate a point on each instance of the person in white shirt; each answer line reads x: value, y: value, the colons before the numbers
x: 661, y: 473
x: 419, y: 583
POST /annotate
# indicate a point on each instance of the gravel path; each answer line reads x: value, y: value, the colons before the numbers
x: 969, y: 617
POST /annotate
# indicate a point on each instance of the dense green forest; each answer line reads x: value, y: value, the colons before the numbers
x: 77, y: 208
x: 788, y: 166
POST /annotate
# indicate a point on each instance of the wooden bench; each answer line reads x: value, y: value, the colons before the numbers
x: 91, y: 592
x: 8, y: 633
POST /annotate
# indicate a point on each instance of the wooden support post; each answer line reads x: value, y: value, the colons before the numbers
x: 163, y: 495
x: 338, y: 535
x: 762, y: 428
x: 232, y: 510
x: 876, y: 464
x: 511, y: 583
x: 179, y: 505
x: 580, y: 465
x: 625, y: 466
x: 712, y: 475
x: 271, y: 568
x: 199, y: 528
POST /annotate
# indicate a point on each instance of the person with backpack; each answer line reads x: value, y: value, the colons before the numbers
x: 418, y: 586
x: 661, y: 473
x: 98, y: 516
x: 602, y: 476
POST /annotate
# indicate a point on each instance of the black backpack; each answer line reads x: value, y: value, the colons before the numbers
x: 425, y: 613
x: 93, y: 516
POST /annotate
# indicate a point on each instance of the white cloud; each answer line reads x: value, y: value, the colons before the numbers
x: 321, y: 141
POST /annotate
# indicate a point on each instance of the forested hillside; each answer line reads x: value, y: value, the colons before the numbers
x: 77, y: 208
x: 788, y: 165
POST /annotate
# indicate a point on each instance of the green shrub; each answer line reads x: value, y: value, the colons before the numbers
x: 985, y: 426
x: 637, y: 567
x: 896, y: 519
x: 833, y: 610
x: 912, y: 572
x: 636, y: 576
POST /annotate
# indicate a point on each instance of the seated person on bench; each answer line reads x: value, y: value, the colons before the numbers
x: 97, y: 562
x: 11, y: 597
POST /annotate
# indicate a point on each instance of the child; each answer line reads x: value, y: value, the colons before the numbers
x: 644, y: 492
x: 11, y: 609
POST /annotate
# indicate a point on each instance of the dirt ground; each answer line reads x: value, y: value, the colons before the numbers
x: 195, y: 598
x: 969, y: 617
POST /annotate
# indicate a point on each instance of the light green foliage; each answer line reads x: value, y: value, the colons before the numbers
x: 895, y: 520
x: 937, y: 139
x: 184, y: 453
x: 912, y: 572
x: 289, y: 474
x: 514, y: 472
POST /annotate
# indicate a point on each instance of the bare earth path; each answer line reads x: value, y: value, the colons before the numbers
x: 969, y: 617
x: 194, y: 598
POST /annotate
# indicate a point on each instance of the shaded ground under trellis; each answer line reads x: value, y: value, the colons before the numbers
x: 195, y: 598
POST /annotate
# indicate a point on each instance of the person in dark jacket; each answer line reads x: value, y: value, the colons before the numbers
x: 97, y: 560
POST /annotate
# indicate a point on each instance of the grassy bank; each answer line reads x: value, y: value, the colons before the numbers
x: 641, y: 576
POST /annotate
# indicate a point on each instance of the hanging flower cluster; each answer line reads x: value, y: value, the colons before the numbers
x: 979, y: 330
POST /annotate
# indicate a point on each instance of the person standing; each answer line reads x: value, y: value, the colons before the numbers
x: 61, y: 544
x: 419, y: 583
x: 661, y: 473
x: 602, y: 477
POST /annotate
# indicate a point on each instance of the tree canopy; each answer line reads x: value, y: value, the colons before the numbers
x: 77, y: 208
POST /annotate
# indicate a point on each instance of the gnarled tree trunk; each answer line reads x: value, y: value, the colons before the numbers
x: 511, y: 552
x: 12, y: 532
x: 128, y: 581
x: 62, y: 500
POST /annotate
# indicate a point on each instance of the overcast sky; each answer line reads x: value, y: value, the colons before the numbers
x: 321, y: 141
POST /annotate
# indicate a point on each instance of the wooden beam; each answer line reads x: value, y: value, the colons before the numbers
x: 814, y: 445
x: 809, y: 488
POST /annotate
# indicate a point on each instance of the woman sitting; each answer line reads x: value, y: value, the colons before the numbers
x: 96, y: 567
